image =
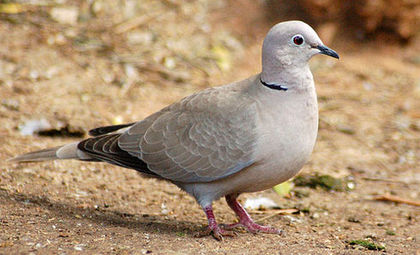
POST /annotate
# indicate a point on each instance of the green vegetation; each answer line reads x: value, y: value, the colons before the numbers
x: 367, y: 244
x: 326, y: 182
x: 390, y: 232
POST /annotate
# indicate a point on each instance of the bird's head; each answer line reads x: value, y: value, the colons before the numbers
x: 292, y: 43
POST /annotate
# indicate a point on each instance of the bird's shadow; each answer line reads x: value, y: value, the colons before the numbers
x: 105, y: 217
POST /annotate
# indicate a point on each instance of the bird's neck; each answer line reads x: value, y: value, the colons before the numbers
x: 294, y: 78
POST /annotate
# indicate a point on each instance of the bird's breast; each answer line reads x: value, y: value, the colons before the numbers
x: 288, y: 134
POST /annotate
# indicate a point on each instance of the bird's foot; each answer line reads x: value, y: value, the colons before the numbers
x: 217, y: 232
x: 214, y: 228
x: 253, y: 227
x: 245, y: 220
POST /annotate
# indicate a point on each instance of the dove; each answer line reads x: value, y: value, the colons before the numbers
x: 245, y: 136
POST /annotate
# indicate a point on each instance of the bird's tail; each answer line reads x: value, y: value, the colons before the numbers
x: 68, y: 151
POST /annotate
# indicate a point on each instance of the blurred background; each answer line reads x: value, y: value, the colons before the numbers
x: 69, y: 66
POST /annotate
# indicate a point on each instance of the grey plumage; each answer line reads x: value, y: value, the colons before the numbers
x: 242, y: 137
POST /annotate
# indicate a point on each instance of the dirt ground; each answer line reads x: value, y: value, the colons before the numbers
x: 106, y: 68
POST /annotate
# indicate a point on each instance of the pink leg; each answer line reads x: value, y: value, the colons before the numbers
x: 245, y: 220
x: 213, y: 227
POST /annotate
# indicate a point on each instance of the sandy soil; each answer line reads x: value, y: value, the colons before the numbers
x: 369, y: 104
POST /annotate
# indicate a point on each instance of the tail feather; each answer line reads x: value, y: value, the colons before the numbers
x: 42, y: 155
x: 68, y: 151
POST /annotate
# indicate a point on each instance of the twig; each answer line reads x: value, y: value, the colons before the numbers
x: 134, y: 22
x: 384, y: 165
x: 278, y: 212
x: 386, y: 180
x: 396, y: 199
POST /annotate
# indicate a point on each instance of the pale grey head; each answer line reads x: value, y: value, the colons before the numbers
x: 292, y: 43
x: 287, y: 49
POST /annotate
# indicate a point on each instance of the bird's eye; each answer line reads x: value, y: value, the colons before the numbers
x: 298, y: 40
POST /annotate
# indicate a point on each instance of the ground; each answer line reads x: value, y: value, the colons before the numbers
x: 103, y: 69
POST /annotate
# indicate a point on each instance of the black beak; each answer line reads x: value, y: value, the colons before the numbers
x: 327, y: 51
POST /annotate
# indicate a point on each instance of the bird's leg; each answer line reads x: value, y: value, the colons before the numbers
x: 213, y: 227
x: 245, y: 220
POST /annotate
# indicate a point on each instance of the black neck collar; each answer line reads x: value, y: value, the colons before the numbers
x: 274, y: 86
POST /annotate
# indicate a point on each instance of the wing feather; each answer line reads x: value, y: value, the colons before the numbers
x: 202, y: 138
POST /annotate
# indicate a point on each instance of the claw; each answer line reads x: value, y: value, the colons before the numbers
x: 217, y: 232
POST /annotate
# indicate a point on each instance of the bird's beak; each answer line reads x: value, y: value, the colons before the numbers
x: 326, y: 51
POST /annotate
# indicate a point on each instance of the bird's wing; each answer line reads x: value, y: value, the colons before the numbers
x: 202, y: 138
x: 105, y: 148
x: 108, y: 129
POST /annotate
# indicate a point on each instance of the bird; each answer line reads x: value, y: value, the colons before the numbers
x: 246, y: 136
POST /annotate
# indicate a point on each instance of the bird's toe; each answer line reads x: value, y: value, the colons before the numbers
x: 218, y: 233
